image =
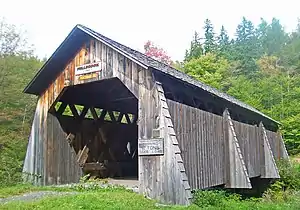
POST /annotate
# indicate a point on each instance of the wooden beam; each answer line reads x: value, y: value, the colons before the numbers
x: 112, y: 116
x: 120, y: 117
x: 94, y: 167
x: 83, y: 156
x: 61, y: 108
x: 122, y: 99
x: 83, y: 113
x: 102, y: 115
x: 94, y: 113
x: 127, y: 118
x: 70, y: 138
x: 74, y: 110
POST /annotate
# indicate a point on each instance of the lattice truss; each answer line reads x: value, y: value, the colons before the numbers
x: 105, y: 141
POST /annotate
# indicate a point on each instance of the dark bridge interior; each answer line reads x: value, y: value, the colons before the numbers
x: 99, y: 119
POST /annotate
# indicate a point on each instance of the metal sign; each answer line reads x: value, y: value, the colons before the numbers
x: 151, y: 146
x: 88, y: 68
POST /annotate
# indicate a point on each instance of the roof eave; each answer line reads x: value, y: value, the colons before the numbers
x: 27, y: 88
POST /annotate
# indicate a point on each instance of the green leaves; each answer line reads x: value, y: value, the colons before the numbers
x: 260, y: 66
x: 209, y: 69
x: 16, y: 112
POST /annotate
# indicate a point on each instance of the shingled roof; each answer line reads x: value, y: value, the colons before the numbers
x: 137, y: 57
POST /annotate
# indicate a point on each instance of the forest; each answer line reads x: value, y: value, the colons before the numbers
x: 260, y: 66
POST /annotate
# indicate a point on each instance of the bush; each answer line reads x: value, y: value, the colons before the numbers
x: 216, y: 198
x: 284, y: 190
x: 289, y: 175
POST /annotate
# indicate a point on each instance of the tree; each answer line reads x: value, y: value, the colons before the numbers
x: 223, y: 42
x: 246, y: 47
x: 261, y: 34
x: 209, y: 69
x: 209, y: 41
x: 275, y: 38
x: 17, y: 67
x: 12, y: 40
x: 12, y: 43
x: 156, y: 53
x: 195, y: 48
x: 260, y: 67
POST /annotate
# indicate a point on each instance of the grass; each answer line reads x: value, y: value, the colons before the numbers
x: 120, y: 198
x: 101, y: 198
x: 282, y: 200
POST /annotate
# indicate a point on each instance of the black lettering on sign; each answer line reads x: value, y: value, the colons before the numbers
x: 151, y: 146
x: 88, y: 68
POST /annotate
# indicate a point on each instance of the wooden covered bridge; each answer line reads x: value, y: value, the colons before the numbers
x: 109, y: 111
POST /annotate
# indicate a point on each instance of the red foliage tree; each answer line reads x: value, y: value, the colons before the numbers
x: 156, y: 53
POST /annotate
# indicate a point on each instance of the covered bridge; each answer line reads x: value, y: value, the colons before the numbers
x: 107, y: 110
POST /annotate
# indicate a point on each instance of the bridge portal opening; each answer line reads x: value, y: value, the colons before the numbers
x: 100, y: 122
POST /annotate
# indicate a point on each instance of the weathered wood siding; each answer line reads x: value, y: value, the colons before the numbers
x: 201, y: 140
x: 60, y: 166
x: 43, y: 140
x: 113, y: 64
x: 277, y: 145
x: 204, y: 138
x: 49, y: 158
x: 160, y: 177
x: 250, y: 143
x: 236, y: 173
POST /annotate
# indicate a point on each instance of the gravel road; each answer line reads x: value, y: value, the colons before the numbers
x: 34, y: 196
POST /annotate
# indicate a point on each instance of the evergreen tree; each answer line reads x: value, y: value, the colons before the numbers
x: 223, y: 42
x: 276, y: 37
x: 195, y: 48
x: 209, y: 42
x: 261, y: 33
x: 246, y: 47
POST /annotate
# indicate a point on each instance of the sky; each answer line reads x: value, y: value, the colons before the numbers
x: 168, y: 23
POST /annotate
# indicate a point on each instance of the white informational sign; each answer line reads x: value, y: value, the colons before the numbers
x: 151, y: 146
x: 88, y: 68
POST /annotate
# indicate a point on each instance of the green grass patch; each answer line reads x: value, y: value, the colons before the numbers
x: 95, y: 197
x: 214, y: 199
x: 105, y: 198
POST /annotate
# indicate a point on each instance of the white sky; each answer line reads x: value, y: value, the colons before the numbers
x: 169, y: 23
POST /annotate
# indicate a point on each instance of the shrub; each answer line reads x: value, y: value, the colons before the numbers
x: 289, y: 175
x: 216, y: 198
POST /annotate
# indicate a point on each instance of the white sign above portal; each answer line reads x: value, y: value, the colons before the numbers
x: 88, y: 68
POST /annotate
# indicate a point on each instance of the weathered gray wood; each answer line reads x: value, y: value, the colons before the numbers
x: 238, y: 177
x: 247, y: 137
x: 160, y: 177
x: 269, y: 167
x: 199, y: 142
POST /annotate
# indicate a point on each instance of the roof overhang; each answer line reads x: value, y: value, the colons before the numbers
x: 62, y: 56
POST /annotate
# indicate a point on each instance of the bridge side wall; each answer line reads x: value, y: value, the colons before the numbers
x: 204, y: 138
